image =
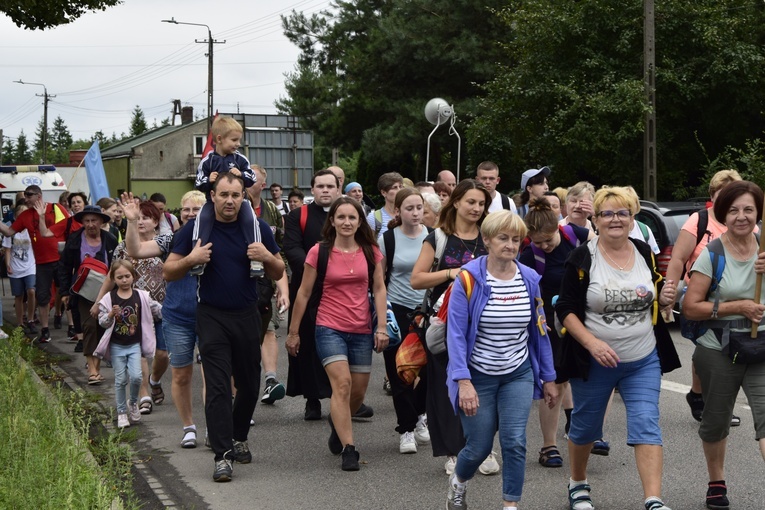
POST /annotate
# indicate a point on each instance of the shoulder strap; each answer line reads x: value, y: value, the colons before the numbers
x: 643, y: 230
x: 440, y: 247
x: 468, y: 283
x: 567, y: 231
x: 717, y: 257
x: 539, y: 258
x: 505, y: 201
x: 701, y: 226
x: 389, y: 241
x: 303, y: 218
x: 169, y: 219
x: 378, y: 221
x: 322, y: 261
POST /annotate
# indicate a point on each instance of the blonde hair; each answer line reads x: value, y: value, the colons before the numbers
x: 561, y: 193
x: 195, y: 196
x: 261, y: 171
x: 503, y: 221
x: 634, y: 194
x: 618, y: 194
x: 222, y: 126
x: 722, y: 179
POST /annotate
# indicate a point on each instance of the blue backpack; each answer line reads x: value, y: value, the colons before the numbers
x: 691, y: 329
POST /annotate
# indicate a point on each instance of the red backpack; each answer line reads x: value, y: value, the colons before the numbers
x: 90, y: 276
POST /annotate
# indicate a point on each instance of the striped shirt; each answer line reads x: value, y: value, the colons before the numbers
x: 501, y: 344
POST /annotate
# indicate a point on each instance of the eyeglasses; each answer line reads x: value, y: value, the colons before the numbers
x: 622, y: 214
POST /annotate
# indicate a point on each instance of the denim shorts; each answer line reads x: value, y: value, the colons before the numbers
x: 161, y: 344
x: 19, y: 286
x: 639, y: 384
x: 355, y: 348
x: 180, y: 340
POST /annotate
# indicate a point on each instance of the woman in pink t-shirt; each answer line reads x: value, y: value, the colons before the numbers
x: 336, y: 284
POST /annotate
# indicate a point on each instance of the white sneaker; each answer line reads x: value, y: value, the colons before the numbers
x: 134, y: 412
x: 457, y: 495
x: 122, y: 421
x: 449, y: 464
x: 421, y: 433
x: 407, y: 444
x: 490, y: 466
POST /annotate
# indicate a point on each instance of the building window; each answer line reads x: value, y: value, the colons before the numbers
x: 199, y: 145
x: 161, y: 155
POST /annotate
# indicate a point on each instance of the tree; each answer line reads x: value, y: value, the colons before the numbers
x: 7, y: 151
x: 38, y: 142
x: 23, y: 154
x: 41, y: 15
x: 60, y: 142
x: 368, y: 67
x: 569, y: 92
x: 138, y: 122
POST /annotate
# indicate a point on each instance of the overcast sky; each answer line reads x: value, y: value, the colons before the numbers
x: 105, y: 63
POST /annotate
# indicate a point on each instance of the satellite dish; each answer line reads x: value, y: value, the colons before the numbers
x: 437, y: 111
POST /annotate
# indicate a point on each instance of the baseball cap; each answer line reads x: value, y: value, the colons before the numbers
x: 533, y: 172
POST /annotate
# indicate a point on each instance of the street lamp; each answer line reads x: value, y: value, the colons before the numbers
x: 209, y: 43
x: 45, y: 117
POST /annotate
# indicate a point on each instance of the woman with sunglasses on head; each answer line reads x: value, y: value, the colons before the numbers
x: 459, y: 223
x: 609, y: 300
x: 499, y: 357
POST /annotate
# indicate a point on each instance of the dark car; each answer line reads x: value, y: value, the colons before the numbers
x: 665, y: 219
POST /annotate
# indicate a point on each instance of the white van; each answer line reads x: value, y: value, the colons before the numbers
x: 16, y: 178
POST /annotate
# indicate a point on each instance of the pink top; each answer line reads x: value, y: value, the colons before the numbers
x: 715, y: 228
x: 344, y: 302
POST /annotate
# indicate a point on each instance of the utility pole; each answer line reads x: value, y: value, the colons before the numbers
x: 209, y: 41
x: 649, y: 136
x: 46, y: 97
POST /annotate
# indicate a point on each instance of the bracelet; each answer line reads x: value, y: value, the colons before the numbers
x: 448, y: 274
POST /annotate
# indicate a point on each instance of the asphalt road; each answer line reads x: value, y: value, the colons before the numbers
x: 292, y: 467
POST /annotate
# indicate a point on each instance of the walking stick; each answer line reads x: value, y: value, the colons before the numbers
x: 758, y: 283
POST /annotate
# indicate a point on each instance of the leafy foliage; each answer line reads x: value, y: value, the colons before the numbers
x: 138, y: 122
x: 60, y: 142
x: 23, y: 155
x: 38, y: 15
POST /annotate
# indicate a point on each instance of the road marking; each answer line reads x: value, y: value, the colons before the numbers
x: 684, y: 388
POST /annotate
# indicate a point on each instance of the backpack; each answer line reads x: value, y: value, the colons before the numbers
x: 90, y: 276
x: 567, y: 233
x: 435, y: 335
x: 169, y: 219
x: 643, y: 230
x: 691, y: 329
x: 378, y: 221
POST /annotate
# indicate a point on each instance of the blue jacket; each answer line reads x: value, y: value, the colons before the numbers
x: 462, y: 328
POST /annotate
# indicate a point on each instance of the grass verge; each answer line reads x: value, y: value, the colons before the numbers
x: 47, y: 442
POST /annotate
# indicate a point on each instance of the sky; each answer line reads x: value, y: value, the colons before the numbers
x: 103, y: 64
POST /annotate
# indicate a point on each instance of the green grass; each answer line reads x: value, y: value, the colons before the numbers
x: 45, y: 441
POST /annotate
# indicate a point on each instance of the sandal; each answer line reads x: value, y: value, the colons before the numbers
x: 189, y: 437
x: 157, y: 395
x: 579, y: 497
x: 94, y: 379
x: 549, y: 456
x: 145, y: 406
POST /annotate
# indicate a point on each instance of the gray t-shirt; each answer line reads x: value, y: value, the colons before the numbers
x: 405, y: 255
x: 619, y: 306
x: 737, y: 282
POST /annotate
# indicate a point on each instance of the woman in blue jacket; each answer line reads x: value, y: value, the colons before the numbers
x: 499, y: 357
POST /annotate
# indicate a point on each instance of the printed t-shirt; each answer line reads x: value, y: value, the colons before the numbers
x: 22, y: 256
x: 344, y: 302
x: 127, y: 323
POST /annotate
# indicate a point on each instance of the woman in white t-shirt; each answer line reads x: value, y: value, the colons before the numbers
x: 335, y: 287
x: 20, y: 265
x: 404, y: 239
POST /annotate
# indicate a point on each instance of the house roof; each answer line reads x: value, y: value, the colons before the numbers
x: 125, y: 147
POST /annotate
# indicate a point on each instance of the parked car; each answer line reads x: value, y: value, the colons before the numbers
x: 665, y: 219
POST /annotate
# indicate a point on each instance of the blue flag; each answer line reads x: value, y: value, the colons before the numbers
x: 94, y: 167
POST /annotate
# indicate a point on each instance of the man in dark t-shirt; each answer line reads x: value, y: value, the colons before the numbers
x: 228, y: 321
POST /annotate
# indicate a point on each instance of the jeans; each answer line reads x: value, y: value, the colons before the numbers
x: 355, y: 348
x: 505, y: 403
x: 180, y: 339
x: 126, y: 361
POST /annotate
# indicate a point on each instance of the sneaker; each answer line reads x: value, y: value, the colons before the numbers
x: 350, y: 458
x: 274, y: 391
x: 44, y: 336
x: 31, y: 328
x: 407, y: 443
x: 71, y: 335
x: 717, y: 495
x: 242, y: 452
x: 601, y: 447
x: 78, y: 347
x: 451, y: 461
x: 57, y: 321
x: 696, y: 402
x: 199, y: 271
x: 207, y: 440
x: 189, y: 437
x: 489, y: 466
x: 656, y: 504
x: 224, y: 470
x: 364, y: 411
x: 122, y: 421
x: 421, y: 432
x: 386, y: 387
x: 334, y: 443
x: 456, y: 498
x: 312, y: 409
x: 134, y: 412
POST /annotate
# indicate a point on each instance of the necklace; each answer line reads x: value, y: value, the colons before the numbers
x: 732, y: 245
x: 621, y: 268
x: 349, y: 267
x: 472, y: 253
